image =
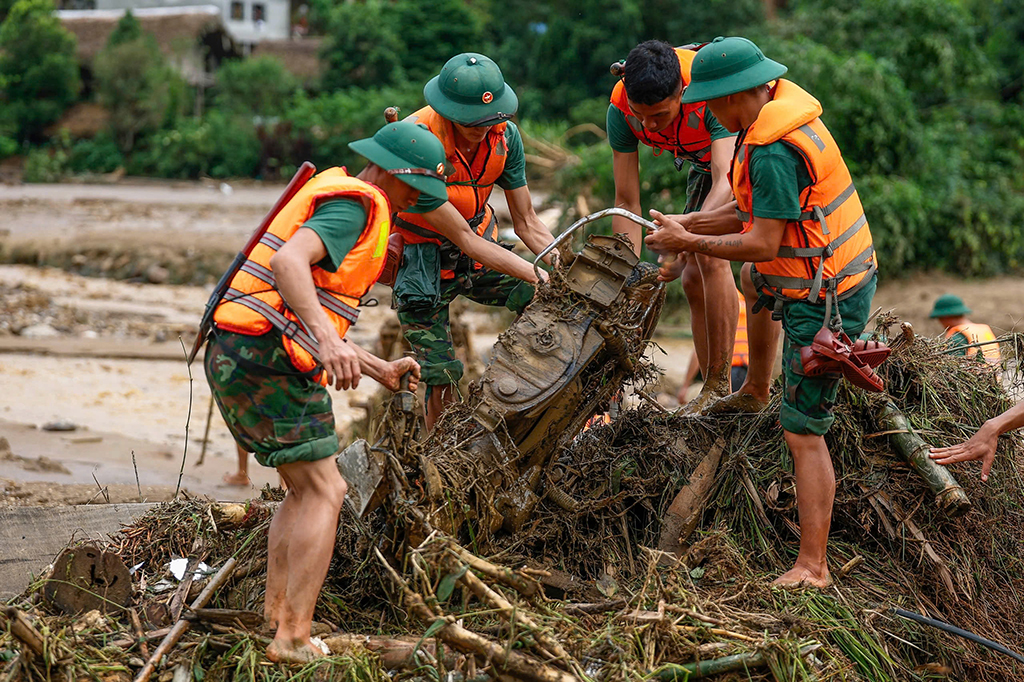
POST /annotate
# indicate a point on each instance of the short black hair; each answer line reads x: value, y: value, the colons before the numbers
x: 652, y: 72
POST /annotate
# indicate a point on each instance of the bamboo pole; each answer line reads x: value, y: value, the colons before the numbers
x: 671, y: 672
x: 182, y: 626
x: 950, y: 496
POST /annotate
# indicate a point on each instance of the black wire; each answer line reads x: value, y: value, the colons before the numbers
x: 952, y: 629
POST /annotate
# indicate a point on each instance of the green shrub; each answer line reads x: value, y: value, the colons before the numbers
x: 219, y: 146
x: 258, y: 87
x: 98, y: 155
x: 46, y: 164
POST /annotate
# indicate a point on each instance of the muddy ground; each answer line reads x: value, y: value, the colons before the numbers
x: 103, y: 356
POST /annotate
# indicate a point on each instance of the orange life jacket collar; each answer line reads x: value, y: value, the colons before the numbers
x: 686, y: 136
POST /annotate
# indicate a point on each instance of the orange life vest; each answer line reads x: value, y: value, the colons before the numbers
x: 978, y: 334
x: 830, y: 245
x: 741, y: 349
x: 470, y: 182
x: 252, y: 304
x: 686, y: 136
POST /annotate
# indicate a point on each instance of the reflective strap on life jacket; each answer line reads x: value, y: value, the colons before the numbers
x: 862, y: 263
x: 490, y: 234
x: 326, y: 300
x: 288, y: 328
x: 815, y: 212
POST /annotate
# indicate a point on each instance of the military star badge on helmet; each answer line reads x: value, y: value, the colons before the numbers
x: 487, y: 97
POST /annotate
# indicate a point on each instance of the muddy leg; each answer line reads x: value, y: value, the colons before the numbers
x: 277, y: 554
x: 764, y: 334
x: 438, y: 399
x: 317, y: 491
x: 721, y: 313
x: 693, y: 287
x: 815, y: 494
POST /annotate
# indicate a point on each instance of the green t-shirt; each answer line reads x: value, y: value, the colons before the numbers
x: 958, y: 344
x: 778, y: 175
x: 622, y: 138
x: 513, y: 177
x: 338, y: 223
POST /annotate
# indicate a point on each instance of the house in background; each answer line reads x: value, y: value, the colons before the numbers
x: 248, y: 22
x: 193, y: 39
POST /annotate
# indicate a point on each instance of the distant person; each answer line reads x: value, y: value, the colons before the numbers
x: 241, y: 477
x: 279, y: 340
x: 982, y: 445
x: 740, y: 357
x: 964, y: 336
x: 646, y: 108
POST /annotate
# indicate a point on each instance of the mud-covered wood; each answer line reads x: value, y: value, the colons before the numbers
x: 684, y: 513
x: 948, y: 493
x: 86, y: 578
x: 30, y: 537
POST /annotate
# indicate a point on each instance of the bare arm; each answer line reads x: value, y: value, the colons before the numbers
x: 758, y: 245
x: 982, y: 445
x: 345, y: 362
x: 450, y: 223
x: 626, y: 170
x: 721, y: 159
x: 528, y: 226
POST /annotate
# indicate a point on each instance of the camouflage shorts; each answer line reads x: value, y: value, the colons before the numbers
x: 280, y: 414
x: 428, y: 330
x: 807, y: 401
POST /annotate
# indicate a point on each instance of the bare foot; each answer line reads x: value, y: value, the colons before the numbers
x: 714, y: 390
x: 293, y: 652
x: 800, y: 577
x: 236, y: 479
x: 740, y: 401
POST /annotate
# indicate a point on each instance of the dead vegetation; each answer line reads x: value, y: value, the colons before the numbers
x: 579, y: 594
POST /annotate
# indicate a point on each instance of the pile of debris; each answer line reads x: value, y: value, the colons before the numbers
x: 579, y: 592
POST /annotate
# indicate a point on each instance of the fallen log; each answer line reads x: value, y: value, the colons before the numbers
x: 949, y: 495
x: 394, y: 652
x: 684, y: 513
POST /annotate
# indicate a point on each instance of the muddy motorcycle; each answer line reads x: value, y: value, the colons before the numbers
x: 561, y: 362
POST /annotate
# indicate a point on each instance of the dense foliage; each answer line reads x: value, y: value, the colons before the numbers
x: 926, y: 98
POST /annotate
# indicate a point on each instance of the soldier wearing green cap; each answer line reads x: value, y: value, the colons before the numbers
x: 452, y: 246
x: 967, y: 338
x: 278, y: 340
x: 799, y: 226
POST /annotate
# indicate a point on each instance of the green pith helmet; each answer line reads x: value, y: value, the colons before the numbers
x: 471, y: 91
x: 410, y: 152
x: 726, y: 66
x: 949, y: 305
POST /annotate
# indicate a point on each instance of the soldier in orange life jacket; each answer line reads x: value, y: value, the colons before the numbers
x: 646, y: 108
x: 452, y: 246
x: 279, y: 340
x: 800, y: 226
x: 968, y: 338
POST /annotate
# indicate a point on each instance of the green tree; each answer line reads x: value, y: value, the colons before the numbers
x: 933, y: 44
x: 362, y: 47
x: 38, y: 69
x: 135, y: 83
x: 260, y: 86
x: 570, y: 55
x: 127, y: 29
x: 433, y: 32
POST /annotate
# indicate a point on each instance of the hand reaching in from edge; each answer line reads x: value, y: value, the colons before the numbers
x: 982, y: 445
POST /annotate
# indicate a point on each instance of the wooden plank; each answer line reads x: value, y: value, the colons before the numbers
x: 30, y: 537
